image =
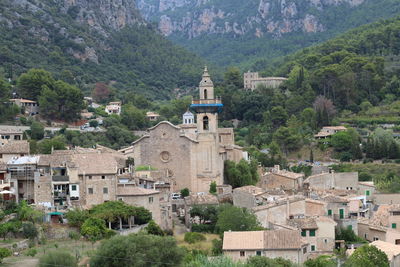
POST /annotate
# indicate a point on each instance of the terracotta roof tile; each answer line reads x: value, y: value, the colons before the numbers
x: 15, y: 147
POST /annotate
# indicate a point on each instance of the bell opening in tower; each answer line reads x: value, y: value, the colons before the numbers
x: 205, y: 123
x: 205, y: 94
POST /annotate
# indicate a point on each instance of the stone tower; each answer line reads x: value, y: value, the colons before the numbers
x: 209, y: 164
x: 207, y: 107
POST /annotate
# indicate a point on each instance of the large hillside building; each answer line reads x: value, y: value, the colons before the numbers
x: 193, y: 153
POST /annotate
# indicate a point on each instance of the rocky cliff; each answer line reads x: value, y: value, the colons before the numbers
x: 253, y: 29
x: 257, y: 17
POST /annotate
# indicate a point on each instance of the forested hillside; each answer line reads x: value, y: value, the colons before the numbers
x: 234, y: 32
x: 84, y: 42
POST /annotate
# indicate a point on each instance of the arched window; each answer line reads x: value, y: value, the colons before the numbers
x: 205, y: 123
x: 205, y: 93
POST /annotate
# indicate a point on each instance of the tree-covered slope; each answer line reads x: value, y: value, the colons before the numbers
x: 361, y: 65
x: 84, y: 42
x: 231, y: 32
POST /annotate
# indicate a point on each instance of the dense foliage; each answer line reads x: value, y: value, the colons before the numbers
x: 138, y: 250
x: 368, y: 256
x: 58, y: 258
x: 43, y: 34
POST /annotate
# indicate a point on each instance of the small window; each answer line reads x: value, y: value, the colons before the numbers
x: 376, y: 238
x: 312, y: 232
x: 105, y: 190
x: 103, y: 177
x: 304, y: 250
x: 326, y: 241
x: 73, y: 187
x: 312, y: 247
x: 367, y: 193
x: 350, y: 227
x: 151, y: 199
x: 394, y: 225
x: 90, y: 191
x: 365, y: 236
x: 1, y: 156
x: 120, y: 199
x: 90, y: 177
x: 304, y: 233
x: 258, y: 253
x: 329, y: 212
x: 242, y: 254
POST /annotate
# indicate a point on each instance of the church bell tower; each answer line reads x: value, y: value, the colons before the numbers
x: 207, y: 107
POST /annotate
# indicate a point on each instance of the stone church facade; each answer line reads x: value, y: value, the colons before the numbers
x: 191, y: 154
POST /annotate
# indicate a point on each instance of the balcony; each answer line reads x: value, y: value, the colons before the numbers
x: 206, y: 101
x: 60, y: 178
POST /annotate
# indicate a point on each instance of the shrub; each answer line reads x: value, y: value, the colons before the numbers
x: 76, y: 217
x: 74, y: 235
x: 31, y: 252
x: 203, y: 228
x: 94, y: 229
x: 4, y: 252
x: 29, y: 230
x: 58, y: 258
x: 153, y: 229
x: 216, y: 247
x: 185, y: 192
x: 192, y: 237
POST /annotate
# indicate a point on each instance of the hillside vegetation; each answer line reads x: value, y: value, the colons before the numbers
x: 79, y: 45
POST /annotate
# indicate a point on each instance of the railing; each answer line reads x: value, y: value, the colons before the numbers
x: 60, y: 178
x: 207, y: 101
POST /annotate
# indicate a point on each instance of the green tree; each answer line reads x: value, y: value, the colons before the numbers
x: 94, y: 229
x: 31, y: 84
x: 213, y: 187
x: 93, y: 123
x: 29, y: 230
x: 77, y: 217
x: 368, y: 256
x: 153, y: 229
x: 232, y: 218
x: 58, y: 258
x: 137, y: 250
x: 7, y: 110
x: 185, y: 192
x: 240, y: 174
x: 278, y: 116
x: 133, y: 118
x: 46, y: 146
x: 37, y: 130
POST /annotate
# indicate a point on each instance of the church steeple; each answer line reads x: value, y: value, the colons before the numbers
x: 206, y: 86
x: 207, y: 107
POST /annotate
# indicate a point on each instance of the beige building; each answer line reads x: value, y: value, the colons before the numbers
x: 113, y: 108
x: 333, y: 180
x: 30, y: 107
x: 288, y: 208
x: 287, y: 244
x: 12, y: 133
x: 329, y: 131
x: 248, y: 196
x: 252, y: 80
x: 192, y: 157
x: 319, y: 232
x: 10, y: 149
x: 382, y: 198
x: 283, y: 179
x: 152, y: 116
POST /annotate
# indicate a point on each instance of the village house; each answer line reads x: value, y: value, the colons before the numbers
x: 386, y: 198
x: 286, y: 208
x: 252, y: 80
x: 12, y: 133
x: 333, y: 180
x: 29, y: 107
x: 319, y: 232
x: 113, y: 108
x: 277, y: 178
x: 248, y: 196
x: 21, y: 174
x: 327, y: 131
x: 287, y: 244
x: 10, y: 149
x: 152, y: 116
x: 367, y: 189
x: 371, y: 232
